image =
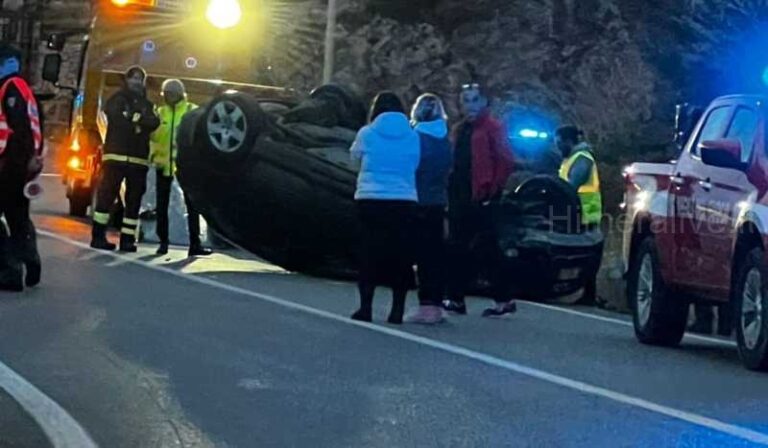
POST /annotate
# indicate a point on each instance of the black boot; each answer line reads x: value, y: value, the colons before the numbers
x: 398, y: 307
x: 34, y: 271
x: 11, y: 278
x: 99, y: 238
x: 365, y: 312
x: 197, y: 250
x: 128, y: 243
x: 163, y: 249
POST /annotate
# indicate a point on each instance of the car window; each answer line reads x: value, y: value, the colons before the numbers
x: 714, y: 126
x: 744, y: 128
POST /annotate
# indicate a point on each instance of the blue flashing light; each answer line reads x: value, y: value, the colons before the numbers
x: 529, y: 133
x: 765, y: 76
x: 533, y: 133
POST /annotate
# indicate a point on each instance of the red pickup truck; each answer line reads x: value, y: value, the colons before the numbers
x: 696, y: 229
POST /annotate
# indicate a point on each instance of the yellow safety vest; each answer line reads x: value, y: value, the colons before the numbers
x: 162, y: 152
x: 589, y: 193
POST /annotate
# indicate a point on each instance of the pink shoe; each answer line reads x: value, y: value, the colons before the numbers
x: 426, y: 315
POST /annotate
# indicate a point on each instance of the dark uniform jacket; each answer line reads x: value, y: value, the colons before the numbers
x: 21, y: 145
x: 126, y: 136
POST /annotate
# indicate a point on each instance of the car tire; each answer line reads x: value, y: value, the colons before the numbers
x: 230, y: 126
x: 553, y: 199
x: 78, y: 204
x: 750, y: 297
x: 659, y: 318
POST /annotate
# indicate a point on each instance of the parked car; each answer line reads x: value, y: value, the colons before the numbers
x: 697, y: 228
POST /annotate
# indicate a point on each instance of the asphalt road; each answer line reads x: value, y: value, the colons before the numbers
x: 146, y: 351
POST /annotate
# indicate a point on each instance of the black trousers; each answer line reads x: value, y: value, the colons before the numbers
x: 163, y: 187
x: 430, y: 254
x: 20, y: 246
x: 473, y: 250
x: 112, y: 176
x: 386, y: 255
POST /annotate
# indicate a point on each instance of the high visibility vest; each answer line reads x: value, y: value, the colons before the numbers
x: 162, y: 151
x: 32, y: 112
x: 589, y: 193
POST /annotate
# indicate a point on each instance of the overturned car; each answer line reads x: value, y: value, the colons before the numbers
x: 276, y: 179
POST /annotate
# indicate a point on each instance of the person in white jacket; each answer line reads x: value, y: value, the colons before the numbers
x: 387, y: 150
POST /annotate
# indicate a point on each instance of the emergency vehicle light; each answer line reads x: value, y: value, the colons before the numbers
x: 122, y: 3
x: 532, y: 133
x: 74, y: 163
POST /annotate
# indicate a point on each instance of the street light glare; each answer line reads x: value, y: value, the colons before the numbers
x: 224, y: 14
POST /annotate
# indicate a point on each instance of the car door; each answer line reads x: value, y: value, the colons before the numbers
x: 718, y: 203
x: 687, y: 186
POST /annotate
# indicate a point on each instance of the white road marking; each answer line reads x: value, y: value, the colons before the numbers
x: 613, y: 320
x: 579, y: 386
x: 61, y: 429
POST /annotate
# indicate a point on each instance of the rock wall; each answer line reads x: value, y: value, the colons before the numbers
x: 615, y: 67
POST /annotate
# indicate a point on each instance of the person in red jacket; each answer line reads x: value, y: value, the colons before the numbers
x: 482, y: 165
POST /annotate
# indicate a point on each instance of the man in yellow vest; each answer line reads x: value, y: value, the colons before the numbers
x: 163, y: 157
x: 580, y: 170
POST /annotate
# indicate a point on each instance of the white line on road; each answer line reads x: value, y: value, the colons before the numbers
x: 61, y: 429
x: 613, y: 320
x: 696, y: 419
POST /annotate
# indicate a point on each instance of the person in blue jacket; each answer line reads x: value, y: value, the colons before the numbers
x: 429, y: 119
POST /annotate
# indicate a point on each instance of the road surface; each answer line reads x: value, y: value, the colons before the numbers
x: 146, y: 351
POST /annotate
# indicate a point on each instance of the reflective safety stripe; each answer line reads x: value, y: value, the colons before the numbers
x: 32, y: 114
x: 126, y: 159
x: 130, y: 222
x: 101, y: 218
x: 128, y: 231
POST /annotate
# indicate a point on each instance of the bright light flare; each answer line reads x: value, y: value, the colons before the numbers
x: 74, y: 163
x: 121, y: 3
x: 224, y: 14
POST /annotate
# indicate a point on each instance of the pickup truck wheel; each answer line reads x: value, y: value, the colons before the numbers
x: 751, y: 299
x: 659, y: 318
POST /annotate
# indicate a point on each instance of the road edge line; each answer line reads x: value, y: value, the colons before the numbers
x: 62, y: 430
x: 613, y: 320
x: 579, y: 386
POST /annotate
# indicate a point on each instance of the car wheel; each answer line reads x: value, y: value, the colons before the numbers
x: 751, y: 299
x: 659, y: 317
x: 553, y: 199
x: 78, y: 204
x: 231, y: 124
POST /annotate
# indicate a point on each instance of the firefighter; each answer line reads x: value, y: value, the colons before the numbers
x: 21, y: 144
x: 580, y: 170
x: 130, y: 122
x: 163, y: 157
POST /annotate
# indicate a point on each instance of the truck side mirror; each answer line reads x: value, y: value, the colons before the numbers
x: 722, y: 153
x: 55, y: 42
x: 52, y: 68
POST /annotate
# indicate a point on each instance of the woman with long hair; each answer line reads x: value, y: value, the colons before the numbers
x: 429, y: 119
x: 387, y: 150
